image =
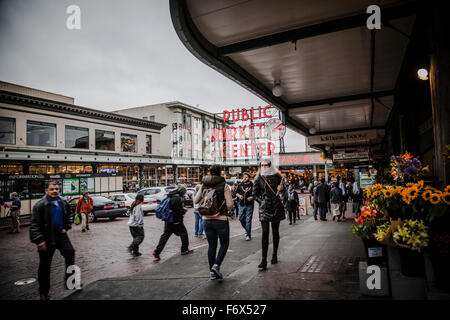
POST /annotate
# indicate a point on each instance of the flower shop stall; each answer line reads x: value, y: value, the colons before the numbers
x: 405, y: 227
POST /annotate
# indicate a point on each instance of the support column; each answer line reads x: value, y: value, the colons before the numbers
x: 314, y: 172
x: 439, y: 84
x: 326, y: 173
x: 165, y: 169
x: 175, y: 173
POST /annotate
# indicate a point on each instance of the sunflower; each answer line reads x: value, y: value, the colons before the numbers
x: 419, y: 185
x: 368, y: 193
x: 409, y: 184
x: 426, y: 195
x: 413, y: 193
x: 378, y: 186
x: 435, y: 198
x: 376, y: 194
x: 388, y: 193
x: 447, y: 188
x: 445, y: 197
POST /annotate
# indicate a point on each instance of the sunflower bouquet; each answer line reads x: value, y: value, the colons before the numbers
x: 411, y: 234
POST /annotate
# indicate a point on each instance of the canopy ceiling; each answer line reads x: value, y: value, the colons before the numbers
x: 336, y: 74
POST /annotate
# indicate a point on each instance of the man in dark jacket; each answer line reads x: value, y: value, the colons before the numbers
x: 246, y: 204
x: 50, y: 220
x: 175, y: 225
x: 291, y: 203
x: 321, y: 196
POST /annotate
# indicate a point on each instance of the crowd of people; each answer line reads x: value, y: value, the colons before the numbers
x: 276, y: 197
x: 334, y: 196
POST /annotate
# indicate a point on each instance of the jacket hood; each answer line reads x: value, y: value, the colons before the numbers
x: 212, y: 181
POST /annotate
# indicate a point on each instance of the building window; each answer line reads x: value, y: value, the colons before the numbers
x: 145, y: 118
x: 104, y: 140
x: 7, y: 130
x: 196, y: 154
x: 148, y: 144
x: 41, y: 134
x: 196, y: 123
x: 152, y: 118
x: 128, y: 142
x: 77, y: 137
x: 11, y: 169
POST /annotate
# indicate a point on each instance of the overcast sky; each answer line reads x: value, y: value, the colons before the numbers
x: 126, y: 54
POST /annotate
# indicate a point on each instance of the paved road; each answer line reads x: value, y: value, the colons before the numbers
x: 100, y: 253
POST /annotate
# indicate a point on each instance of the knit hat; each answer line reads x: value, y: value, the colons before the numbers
x: 181, y: 188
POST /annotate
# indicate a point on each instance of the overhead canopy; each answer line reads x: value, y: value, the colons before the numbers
x: 336, y: 74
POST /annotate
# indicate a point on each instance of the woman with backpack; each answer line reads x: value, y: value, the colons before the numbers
x: 291, y: 202
x: 271, y: 209
x: 215, y: 223
x: 136, y: 224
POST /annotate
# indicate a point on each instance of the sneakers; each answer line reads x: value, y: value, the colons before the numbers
x: 187, y: 252
x: 216, y: 270
x: 247, y: 238
x: 137, y: 253
x: 156, y: 256
x: 212, y: 276
x: 83, y: 230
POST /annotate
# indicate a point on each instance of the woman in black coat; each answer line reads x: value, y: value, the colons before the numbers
x: 271, y: 209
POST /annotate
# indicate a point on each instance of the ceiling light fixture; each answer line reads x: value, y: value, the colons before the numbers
x: 312, y: 130
x: 422, y: 73
x: 277, y: 90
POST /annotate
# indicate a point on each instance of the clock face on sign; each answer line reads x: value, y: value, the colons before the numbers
x: 275, y: 129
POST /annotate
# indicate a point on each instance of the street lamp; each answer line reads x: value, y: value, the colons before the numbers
x: 422, y: 73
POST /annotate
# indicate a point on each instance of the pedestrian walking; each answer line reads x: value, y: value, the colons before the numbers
x: 271, y: 209
x: 175, y: 224
x: 321, y: 196
x: 15, y: 213
x: 198, y: 227
x: 314, y: 199
x: 136, y: 225
x: 291, y: 203
x: 356, y: 198
x: 50, y: 221
x: 343, y: 202
x: 246, y: 204
x: 235, y: 210
x: 84, y: 207
x: 216, y: 225
x: 335, y: 199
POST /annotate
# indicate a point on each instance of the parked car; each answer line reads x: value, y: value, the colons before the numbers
x: 189, y: 197
x: 148, y: 205
x: 158, y: 192
x: 103, y: 208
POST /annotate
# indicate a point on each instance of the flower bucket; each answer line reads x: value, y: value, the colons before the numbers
x: 412, y: 262
x: 375, y: 251
x: 441, y: 267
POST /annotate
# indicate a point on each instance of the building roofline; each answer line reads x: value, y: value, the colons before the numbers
x: 51, y: 105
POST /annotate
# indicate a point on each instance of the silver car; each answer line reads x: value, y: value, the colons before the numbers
x: 158, y: 192
x: 148, y: 205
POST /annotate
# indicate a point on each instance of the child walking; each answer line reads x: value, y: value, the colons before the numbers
x: 136, y: 224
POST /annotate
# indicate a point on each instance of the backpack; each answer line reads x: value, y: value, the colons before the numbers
x: 208, y: 206
x: 163, y: 211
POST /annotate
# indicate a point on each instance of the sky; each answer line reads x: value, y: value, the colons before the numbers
x: 126, y: 54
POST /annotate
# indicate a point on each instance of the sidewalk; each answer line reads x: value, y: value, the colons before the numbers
x: 317, y: 260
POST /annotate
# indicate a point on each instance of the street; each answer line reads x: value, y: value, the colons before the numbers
x: 100, y: 253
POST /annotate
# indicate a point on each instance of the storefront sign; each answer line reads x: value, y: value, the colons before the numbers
x: 25, y: 176
x: 300, y: 159
x: 342, y: 138
x: 248, y: 133
x: 351, y: 156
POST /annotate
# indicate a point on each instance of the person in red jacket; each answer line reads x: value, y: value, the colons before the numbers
x: 84, y: 207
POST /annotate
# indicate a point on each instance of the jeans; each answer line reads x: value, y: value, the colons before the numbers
x: 265, y: 237
x: 138, y: 236
x: 245, y: 216
x: 198, y: 227
x: 179, y: 230
x: 217, y: 229
x: 63, y: 244
x: 235, y: 209
x: 292, y: 214
x: 316, y: 207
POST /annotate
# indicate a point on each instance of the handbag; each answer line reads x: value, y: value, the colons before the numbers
x: 76, y: 219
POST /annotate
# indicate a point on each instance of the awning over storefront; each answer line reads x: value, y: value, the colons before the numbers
x: 337, y: 76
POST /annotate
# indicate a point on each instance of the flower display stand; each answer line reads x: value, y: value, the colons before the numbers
x: 404, y: 287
